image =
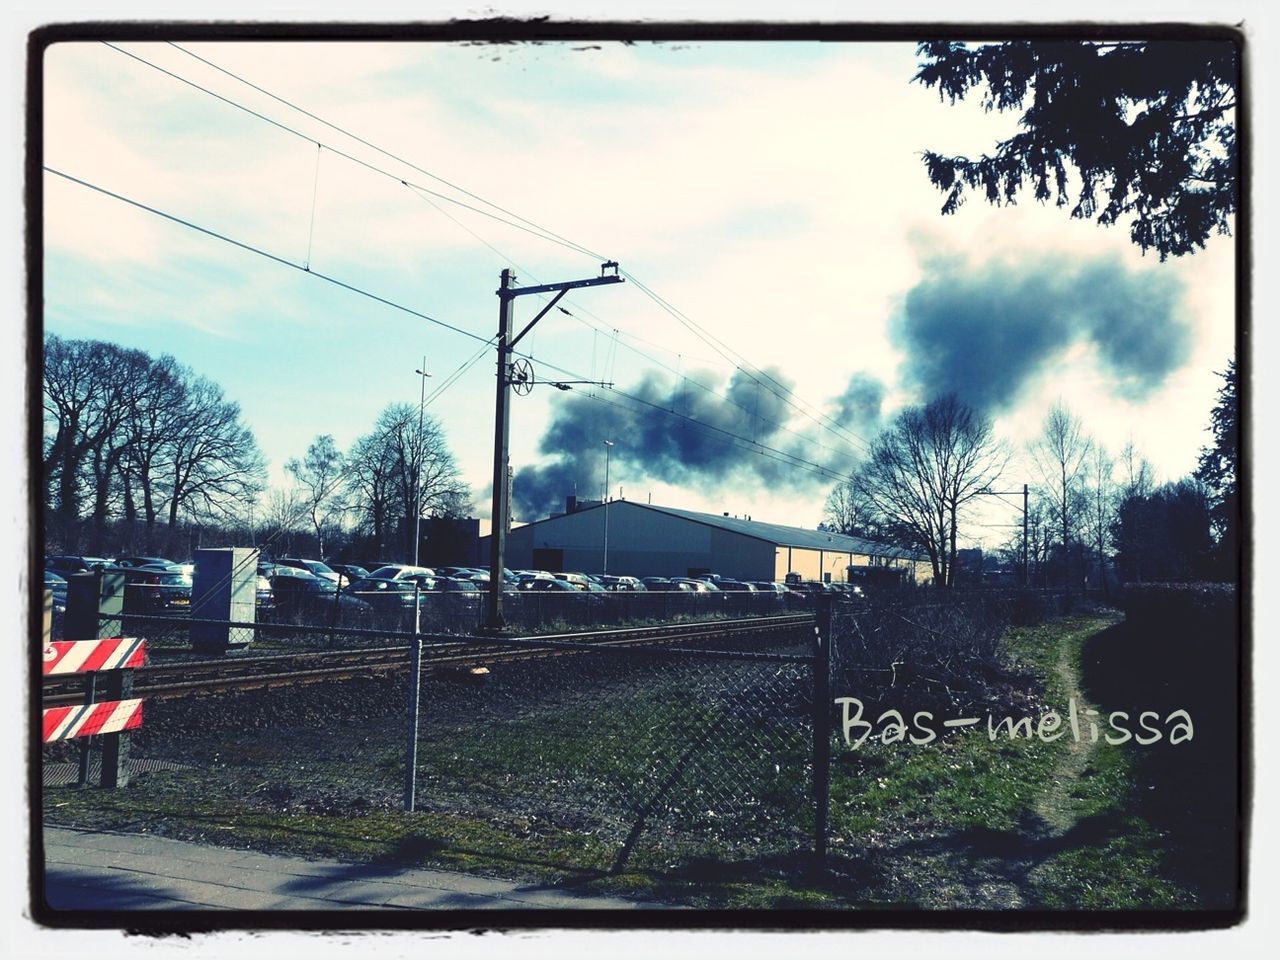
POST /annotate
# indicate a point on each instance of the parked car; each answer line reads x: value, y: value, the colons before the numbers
x: 469, y: 589
x: 457, y: 571
x: 57, y: 586
x: 546, y: 584
x: 264, y: 599
x: 734, y: 586
x: 399, y: 571
x: 390, y: 601
x: 142, y: 562
x: 622, y: 583
x: 157, y: 588
x: 349, y: 570
x: 302, y: 597
x: 851, y: 591
x: 810, y: 588
x: 579, y: 580
x: 64, y: 565
x: 317, y: 567
x: 773, y: 589
x: 457, y: 597
x: 698, y: 586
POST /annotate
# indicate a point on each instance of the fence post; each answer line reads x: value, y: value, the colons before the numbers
x: 415, y: 680
x: 821, y: 730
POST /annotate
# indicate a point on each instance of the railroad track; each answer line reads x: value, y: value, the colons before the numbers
x: 440, y: 654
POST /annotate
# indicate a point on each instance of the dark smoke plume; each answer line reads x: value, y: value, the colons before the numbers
x: 985, y: 332
x: 684, y: 434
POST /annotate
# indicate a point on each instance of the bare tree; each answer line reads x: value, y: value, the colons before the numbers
x: 214, y: 458
x: 395, y: 471
x: 319, y: 474
x: 1061, y: 454
x: 1139, y: 475
x: 842, y: 511
x: 924, y: 469
x: 281, y: 519
x: 128, y: 436
x: 87, y: 387
x: 1101, y: 507
x: 154, y: 419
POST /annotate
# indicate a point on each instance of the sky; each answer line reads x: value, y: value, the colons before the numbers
x: 790, y: 281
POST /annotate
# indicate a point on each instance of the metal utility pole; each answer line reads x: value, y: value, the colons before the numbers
x: 521, y: 377
x: 417, y: 478
x: 605, y: 565
x: 988, y: 492
x: 1026, y: 568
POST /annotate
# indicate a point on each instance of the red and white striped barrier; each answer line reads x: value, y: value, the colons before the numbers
x: 90, y: 656
x: 84, y: 656
x: 110, y: 716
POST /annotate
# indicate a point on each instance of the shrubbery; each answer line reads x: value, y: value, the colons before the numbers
x: 1178, y: 608
x: 944, y: 649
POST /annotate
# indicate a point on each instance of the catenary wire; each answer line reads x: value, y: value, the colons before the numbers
x: 346, y: 156
x: 263, y: 253
x: 600, y: 327
x: 787, y: 394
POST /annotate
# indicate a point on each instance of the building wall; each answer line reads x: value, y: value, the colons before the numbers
x: 648, y: 543
x: 642, y: 542
x: 812, y: 564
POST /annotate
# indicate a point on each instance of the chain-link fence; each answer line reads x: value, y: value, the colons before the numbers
x: 678, y: 752
x: 597, y: 756
x: 606, y: 756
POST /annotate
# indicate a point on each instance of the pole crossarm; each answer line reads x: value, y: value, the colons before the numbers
x: 564, y: 285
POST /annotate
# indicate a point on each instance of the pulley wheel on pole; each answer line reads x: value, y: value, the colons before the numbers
x: 522, y: 377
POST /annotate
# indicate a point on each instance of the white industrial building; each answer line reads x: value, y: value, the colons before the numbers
x: 651, y: 541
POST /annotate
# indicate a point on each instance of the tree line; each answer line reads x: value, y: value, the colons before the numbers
x: 139, y: 439
x: 1091, y: 518
x: 141, y: 454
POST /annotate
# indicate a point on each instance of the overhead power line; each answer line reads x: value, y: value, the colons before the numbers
x: 387, y: 153
x: 750, y: 445
x: 283, y: 261
x: 600, y: 327
x: 759, y: 376
x: 347, y: 156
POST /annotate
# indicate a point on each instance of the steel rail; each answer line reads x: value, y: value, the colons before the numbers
x: 250, y: 673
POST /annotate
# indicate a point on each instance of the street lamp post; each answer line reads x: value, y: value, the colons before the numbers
x: 417, y: 476
x: 605, y: 565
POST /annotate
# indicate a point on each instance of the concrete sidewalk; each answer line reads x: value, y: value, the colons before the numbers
x: 87, y: 870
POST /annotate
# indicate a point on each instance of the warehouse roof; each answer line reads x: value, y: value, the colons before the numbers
x: 790, y: 536
x: 774, y: 533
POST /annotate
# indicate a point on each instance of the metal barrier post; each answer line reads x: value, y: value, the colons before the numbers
x: 86, y: 743
x: 821, y: 730
x: 415, y: 682
x: 115, y: 746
